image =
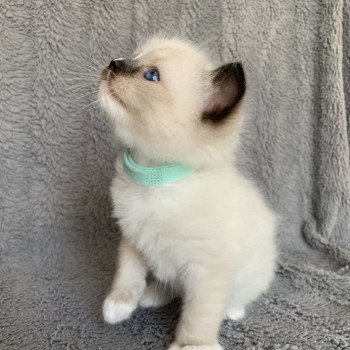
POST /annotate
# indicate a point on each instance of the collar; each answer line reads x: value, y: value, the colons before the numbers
x: 154, y: 176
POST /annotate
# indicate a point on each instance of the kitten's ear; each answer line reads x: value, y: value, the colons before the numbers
x: 228, y: 88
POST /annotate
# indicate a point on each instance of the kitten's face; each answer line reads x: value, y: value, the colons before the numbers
x: 168, y: 101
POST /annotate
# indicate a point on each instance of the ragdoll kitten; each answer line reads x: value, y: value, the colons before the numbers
x: 192, y: 226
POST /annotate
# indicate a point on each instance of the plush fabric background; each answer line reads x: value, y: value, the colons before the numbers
x: 58, y: 242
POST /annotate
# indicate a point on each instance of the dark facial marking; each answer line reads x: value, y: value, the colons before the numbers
x: 229, y: 85
x: 122, y: 66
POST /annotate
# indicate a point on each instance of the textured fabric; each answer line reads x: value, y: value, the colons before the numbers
x: 57, y: 153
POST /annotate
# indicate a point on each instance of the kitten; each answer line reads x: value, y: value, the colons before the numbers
x: 205, y: 233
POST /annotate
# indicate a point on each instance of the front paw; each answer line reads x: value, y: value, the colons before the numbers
x: 176, y: 346
x: 115, y: 311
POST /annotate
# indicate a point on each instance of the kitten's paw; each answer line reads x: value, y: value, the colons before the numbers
x: 153, y: 297
x: 215, y: 346
x: 114, y: 311
x: 235, y: 313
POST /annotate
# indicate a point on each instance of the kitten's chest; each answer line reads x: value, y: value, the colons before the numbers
x: 151, y: 221
x: 142, y: 209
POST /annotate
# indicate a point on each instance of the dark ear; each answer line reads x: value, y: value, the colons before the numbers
x: 228, y: 90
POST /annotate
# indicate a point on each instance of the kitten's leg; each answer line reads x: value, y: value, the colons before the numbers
x: 204, y: 305
x: 157, y: 294
x: 249, y: 283
x: 128, y: 285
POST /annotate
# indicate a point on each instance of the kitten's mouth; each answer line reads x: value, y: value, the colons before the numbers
x: 106, y: 89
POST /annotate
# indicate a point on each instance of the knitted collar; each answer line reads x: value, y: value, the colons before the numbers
x: 154, y: 176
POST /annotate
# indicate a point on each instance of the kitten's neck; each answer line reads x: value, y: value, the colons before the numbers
x: 223, y: 160
x: 142, y: 159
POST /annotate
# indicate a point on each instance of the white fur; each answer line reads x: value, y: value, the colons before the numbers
x: 215, y: 346
x: 212, y: 217
x: 114, y: 312
x: 209, y: 237
x: 235, y: 314
x: 156, y: 295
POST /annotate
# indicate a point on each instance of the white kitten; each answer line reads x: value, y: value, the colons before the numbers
x: 208, y: 235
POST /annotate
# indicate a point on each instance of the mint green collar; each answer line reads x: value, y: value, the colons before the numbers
x: 154, y: 176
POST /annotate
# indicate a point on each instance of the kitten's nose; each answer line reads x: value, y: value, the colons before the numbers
x: 117, y: 65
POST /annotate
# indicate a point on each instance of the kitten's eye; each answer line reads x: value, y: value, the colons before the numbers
x: 152, y: 75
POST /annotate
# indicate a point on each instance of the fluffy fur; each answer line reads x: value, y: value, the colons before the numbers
x: 208, y: 238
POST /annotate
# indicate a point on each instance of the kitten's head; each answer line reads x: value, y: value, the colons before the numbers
x: 169, y: 101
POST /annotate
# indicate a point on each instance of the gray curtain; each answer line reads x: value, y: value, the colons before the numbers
x: 57, y: 152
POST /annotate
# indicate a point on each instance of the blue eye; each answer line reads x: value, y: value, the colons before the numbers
x: 152, y: 75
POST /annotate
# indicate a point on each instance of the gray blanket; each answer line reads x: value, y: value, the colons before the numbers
x: 57, y: 152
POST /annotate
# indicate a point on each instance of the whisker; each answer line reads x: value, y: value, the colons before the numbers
x: 83, y: 80
x: 84, y: 68
x: 85, y: 54
x: 85, y: 95
x: 94, y: 66
x: 102, y: 58
x: 80, y: 48
x: 92, y: 58
x: 114, y: 74
x: 91, y: 108
x: 92, y: 103
x: 80, y: 74
x: 114, y: 94
x: 72, y: 82
x: 78, y: 86
x: 76, y: 81
x: 79, y: 78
